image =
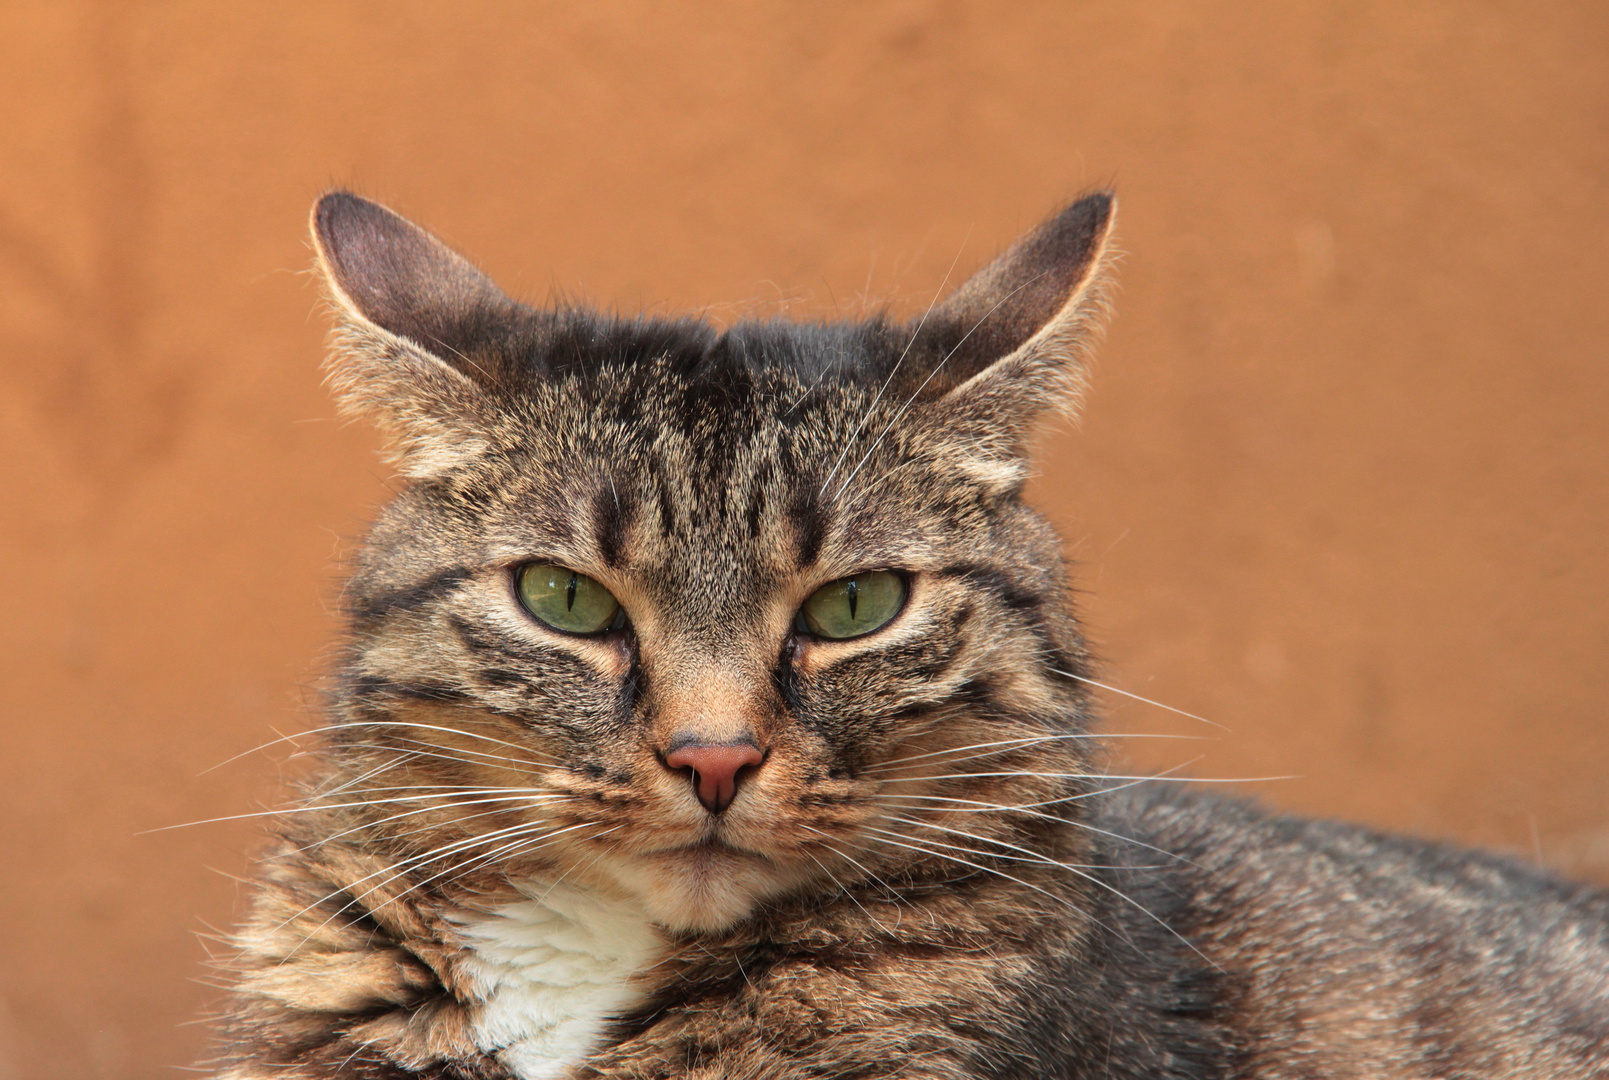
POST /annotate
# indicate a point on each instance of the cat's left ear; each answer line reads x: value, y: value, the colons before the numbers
x: 1020, y: 332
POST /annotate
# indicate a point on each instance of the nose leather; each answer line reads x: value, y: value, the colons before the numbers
x: 715, y: 769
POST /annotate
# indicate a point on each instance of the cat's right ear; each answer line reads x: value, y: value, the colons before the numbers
x: 415, y: 320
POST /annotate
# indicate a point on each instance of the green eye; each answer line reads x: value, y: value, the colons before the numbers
x: 852, y: 606
x: 568, y: 601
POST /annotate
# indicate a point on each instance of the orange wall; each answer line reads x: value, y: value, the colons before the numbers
x: 1341, y: 486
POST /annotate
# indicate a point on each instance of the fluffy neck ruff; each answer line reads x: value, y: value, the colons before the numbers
x: 551, y: 970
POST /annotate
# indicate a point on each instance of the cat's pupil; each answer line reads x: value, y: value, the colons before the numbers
x: 569, y: 592
x: 852, y: 592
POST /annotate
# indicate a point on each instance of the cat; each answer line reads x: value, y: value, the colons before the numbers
x: 712, y: 706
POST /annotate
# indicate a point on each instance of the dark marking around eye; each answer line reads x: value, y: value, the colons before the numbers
x: 412, y: 596
x: 379, y: 688
x: 1010, y: 593
x: 487, y: 641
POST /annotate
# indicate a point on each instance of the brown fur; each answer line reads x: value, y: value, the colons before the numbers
x: 927, y: 876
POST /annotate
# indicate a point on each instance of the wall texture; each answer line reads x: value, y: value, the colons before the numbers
x: 1341, y: 487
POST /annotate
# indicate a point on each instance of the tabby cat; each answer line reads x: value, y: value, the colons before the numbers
x: 712, y: 706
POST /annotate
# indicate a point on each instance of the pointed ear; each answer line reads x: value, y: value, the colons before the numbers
x: 1018, y: 335
x: 1023, y: 325
x: 417, y: 324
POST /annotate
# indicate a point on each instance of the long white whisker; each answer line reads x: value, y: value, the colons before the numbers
x: 1028, y: 855
x: 410, y: 813
x: 453, y: 749
x: 981, y: 807
x: 460, y: 871
x: 400, y: 868
x: 367, y: 723
x: 1094, y: 881
x: 533, y: 844
x: 401, y: 759
x: 827, y: 842
x: 444, y: 753
x: 1056, y: 776
x: 1026, y: 740
x: 976, y: 866
x: 1137, y: 697
x: 333, y: 806
x: 844, y: 890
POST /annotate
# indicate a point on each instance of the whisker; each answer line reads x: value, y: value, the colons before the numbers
x: 335, y: 806
x: 1029, y: 856
x: 1133, y: 781
x: 844, y: 890
x: 1159, y: 777
x: 441, y: 752
x: 1027, y: 740
x: 921, y: 850
x: 1088, y: 877
x: 827, y: 842
x: 368, y: 723
x: 521, y: 844
x: 401, y: 759
x: 347, y: 790
x: 401, y: 867
x: 1137, y: 697
x: 1042, y: 775
x: 1027, y: 810
x: 409, y: 813
x: 457, y: 749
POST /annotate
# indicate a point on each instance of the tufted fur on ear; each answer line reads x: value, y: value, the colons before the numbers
x: 1020, y: 332
x: 415, y: 345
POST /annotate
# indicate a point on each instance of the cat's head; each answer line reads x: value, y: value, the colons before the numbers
x: 706, y: 616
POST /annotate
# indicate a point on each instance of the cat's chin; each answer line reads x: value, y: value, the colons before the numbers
x: 701, y: 889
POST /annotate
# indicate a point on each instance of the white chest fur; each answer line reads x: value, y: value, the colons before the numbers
x: 552, y: 970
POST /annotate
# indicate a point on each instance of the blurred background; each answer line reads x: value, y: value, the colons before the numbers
x: 1340, y: 487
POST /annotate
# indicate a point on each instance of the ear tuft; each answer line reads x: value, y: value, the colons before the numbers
x: 415, y: 348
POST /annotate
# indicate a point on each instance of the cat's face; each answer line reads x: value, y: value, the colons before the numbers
x: 704, y: 618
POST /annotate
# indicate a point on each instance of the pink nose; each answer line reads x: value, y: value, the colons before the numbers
x: 716, y: 770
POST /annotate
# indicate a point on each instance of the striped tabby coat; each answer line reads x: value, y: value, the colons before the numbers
x: 716, y: 838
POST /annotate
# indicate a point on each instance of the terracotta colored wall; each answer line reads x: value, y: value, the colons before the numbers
x: 1341, y: 486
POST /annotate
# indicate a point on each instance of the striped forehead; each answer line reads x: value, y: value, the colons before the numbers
x: 698, y: 483
x: 736, y: 500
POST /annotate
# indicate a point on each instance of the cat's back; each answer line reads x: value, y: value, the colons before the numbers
x: 1338, y: 951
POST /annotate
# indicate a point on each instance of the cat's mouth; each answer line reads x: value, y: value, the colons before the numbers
x: 709, y: 848
x: 705, y: 884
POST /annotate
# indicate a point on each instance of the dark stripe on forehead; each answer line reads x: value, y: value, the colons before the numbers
x: 611, y: 520
x: 758, y: 498
x: 809, y: 519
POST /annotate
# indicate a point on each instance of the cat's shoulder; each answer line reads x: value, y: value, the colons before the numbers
x: 1236, y: 843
